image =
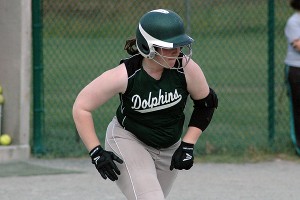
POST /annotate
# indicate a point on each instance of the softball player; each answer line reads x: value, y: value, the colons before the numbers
x: 292, y: 61
x: 143, y: 145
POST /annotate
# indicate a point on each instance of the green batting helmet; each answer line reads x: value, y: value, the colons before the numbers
x: 160, y: 28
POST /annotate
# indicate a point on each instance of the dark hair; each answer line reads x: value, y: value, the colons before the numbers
x: 130, y: 46
x: 295, y: 4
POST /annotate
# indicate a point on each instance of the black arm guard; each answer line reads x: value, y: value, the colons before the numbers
x: 204, y: 110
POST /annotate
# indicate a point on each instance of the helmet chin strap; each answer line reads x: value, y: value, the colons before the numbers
x: 166, y: 64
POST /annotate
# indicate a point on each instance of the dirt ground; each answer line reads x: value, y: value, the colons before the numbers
x: 275, y: 180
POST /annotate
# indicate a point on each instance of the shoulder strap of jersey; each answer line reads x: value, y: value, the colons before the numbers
x: 132, y: 63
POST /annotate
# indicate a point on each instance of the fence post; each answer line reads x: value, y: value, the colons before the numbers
x: 38, y: 103
x: 187, y: 15
x: 271, y: 70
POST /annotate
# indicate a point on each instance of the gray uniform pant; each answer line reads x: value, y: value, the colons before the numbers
x: 145, y: 173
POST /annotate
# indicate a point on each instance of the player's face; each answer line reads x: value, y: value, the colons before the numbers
x: 168, y: 55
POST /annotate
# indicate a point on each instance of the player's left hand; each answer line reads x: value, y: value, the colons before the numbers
x: 183, y: 157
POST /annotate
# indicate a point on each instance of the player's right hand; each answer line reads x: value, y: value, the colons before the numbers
x: 104, y: 162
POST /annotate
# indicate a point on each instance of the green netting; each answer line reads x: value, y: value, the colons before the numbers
x: 82, y: 39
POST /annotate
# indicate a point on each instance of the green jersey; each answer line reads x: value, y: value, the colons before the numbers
x: 153, y: 110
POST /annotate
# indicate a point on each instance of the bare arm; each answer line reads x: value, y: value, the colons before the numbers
x: 296, y: 44
x: 94, y: 95
x: 198, y: 89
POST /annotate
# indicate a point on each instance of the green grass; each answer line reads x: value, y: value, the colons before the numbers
x: 231, y: 46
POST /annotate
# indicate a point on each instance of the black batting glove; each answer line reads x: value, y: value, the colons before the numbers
x: 183, y: 157
x: 104, y: 162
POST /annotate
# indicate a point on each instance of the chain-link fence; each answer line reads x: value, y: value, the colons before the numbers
x: 82, y: 39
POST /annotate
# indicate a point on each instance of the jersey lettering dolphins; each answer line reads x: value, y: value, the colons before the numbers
x: 151, y: 104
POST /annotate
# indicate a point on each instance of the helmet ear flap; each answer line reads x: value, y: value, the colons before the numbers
x: 143, y: 46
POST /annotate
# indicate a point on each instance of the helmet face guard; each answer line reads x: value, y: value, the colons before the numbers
x: 162, y: 29
x: 184, y: 54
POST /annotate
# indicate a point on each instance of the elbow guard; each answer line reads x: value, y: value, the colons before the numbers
x: 204, y: 110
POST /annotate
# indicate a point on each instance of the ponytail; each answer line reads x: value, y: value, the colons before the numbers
x: 130, y: 46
